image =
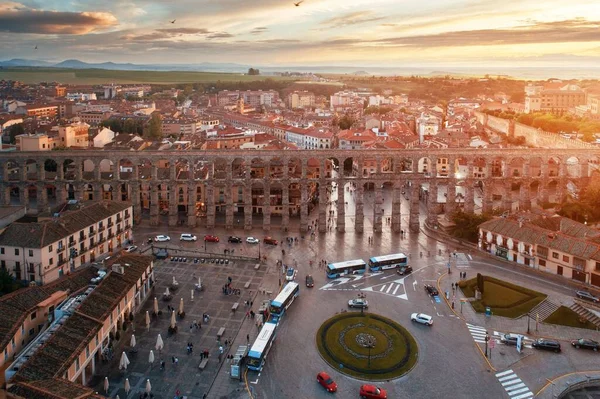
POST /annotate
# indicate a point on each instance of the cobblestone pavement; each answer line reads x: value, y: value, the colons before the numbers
x: 450, y: 363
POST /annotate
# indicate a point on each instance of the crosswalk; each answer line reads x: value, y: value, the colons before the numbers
x: 462, y: 260
x: 393, y: 288
x: 478, y: 333
x: 513, y: 385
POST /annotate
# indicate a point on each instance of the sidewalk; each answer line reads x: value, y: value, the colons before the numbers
x: 223, y: 385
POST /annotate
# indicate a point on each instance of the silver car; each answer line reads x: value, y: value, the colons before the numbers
x: 587, y: 296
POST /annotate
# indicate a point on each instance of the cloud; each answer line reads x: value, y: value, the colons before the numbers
x: 17, y: 18
x: 573, y: 30
x: 259, y: 30
x: 184, y: 31
x: 219, y: 35
x: 353, y: 18
x: 165, y: 33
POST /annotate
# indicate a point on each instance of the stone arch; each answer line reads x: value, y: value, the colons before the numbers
x: 480, y: 168
x: 498, y: 166
x: 461, y: 167
x: 51, y: 194
x: 107, y: 169
x: 295, y: 199
x: 276, y: 165
x: 238, y: 168
x: 32, y: 169
x: 70, y: 169
x: 71, y: 192
x: 572, y: 189
x: 258, y: 196
x: 349, y: 168
x: 573, y: 167
x: 592, y: 164
x: 534, y: 189
x: 200, y: 169
x: 182, y: 169
x: 424, y: 165
x: 516, y: 167
x: 50, y: 169
x: 12, y: 170
x: 15, y: 193
x: 125, y: 168
x: 276, y: 203
x: 88, y: 169
x: 333, y: 167
x: 406, y: 165
x: 553, y: 192
x: 32, y: 196
x: 535, y: 167
x: 257, y: 169
x: 554, y: 166
x: 388, y: 165
x: 220, y: 166
x: 124, y: 193
x: 144, y: 169
x: 108, y: 192
x: 313, y: 168
x: 88, y: 192
x: 163, y: 169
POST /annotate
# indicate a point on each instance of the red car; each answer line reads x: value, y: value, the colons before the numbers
x: 372, y: 392
x: 270, y: 241
x: 210, y: 238
x: 326, y: 381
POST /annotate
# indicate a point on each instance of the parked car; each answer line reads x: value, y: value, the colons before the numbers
x: 210, y: 238
x: 358, y: 303
x: 421, y: 318
x: 326, y: 382
x: 431, y: 290
x: 162, y: 238
x: 509, y: 339
x: 310, y: 282
x: 372, y: 392
x: 405, y: 270
x: 587, y: 296
x: 586, y: 344
x: 252, y: 240
x: 546, y: 344
x: 187, y: 237
x: 290, y: 274
x: 234, y: 239
x: 270, y: 241
x: 131, y: 248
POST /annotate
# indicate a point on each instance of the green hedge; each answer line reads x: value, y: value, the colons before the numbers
x: 564, y: 316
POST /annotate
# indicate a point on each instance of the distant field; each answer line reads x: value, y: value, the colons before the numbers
x: 100, y: 76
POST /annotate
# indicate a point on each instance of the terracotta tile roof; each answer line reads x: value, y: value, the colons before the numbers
x: 54, y: 388
x: 17, y: 306
x: 42, y: 234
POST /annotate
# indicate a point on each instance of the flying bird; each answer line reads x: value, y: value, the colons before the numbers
x: 298, y: 3
x: 173, y: 21
x: 35, y: 48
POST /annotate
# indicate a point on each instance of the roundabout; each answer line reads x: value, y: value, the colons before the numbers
x: 367, y: 346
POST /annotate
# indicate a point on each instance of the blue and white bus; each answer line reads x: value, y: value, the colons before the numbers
x: 335, y: 270
x: 284, y: 299
x: 384, y: 262
x: 261, y: 347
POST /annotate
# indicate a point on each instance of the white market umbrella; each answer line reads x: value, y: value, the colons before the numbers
x: 181, y: 306
x: 199, y: 282
x: 132, y: 343
x: 147, y: 320
x: 106, y: 385
x: 127, y: 386
x: 192, y: 295
x: 173, y: 321
x: 151, y: 357
x: 155, y: 305
x: 175, y: 281
x: 148, y: 386
x: 117, y: 397
x: 159, y: 343
x: 167, y: 292
x: 124, y: 362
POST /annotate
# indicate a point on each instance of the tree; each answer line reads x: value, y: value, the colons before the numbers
x: 14, y: 131
x: 7, y: 282
x: 253, y: 72
x: 467, y: 225
x: 154, y: 130
x: 480, y: 282
x: 346, y: 122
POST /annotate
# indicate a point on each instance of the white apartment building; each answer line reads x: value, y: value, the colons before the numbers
x: 46, y: 250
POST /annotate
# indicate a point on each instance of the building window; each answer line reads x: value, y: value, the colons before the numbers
x: 598, y: 266
x: 542, y: 262
x: 31, y: 253
x: 77, y: 364
x: 2, y: 251
x: 578, y: 263
x: 49, y: 248
x: 51, y: 261
x: 16, y: 251
x: 31, y: 332
x: 555, y: 255
x: 566, y: 259
x: 542, y: 251
x: 33, y: 315
x: 87, y: 351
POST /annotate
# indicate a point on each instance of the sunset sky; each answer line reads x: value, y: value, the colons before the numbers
x: 318, y: 32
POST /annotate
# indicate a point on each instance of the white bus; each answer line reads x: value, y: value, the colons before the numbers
x: 284, y: 299
x: 261, y: 347
x: 384, y: 262
x: 335, y: 270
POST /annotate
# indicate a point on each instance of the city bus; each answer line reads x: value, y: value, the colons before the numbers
x: 261, y: 347
x: 384, y: 262
x: 335, y: 270
x: 284, y: 299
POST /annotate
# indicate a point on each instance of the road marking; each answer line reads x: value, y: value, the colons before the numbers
x: 391, y: 275
x: 390, y: 288
x: 513, y: 385
x: 398, y: 286
x: 254, y: 382
x: 382, y: 287
x: 357, y: 285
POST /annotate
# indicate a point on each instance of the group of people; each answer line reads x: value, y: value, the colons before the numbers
x: 195, y: 325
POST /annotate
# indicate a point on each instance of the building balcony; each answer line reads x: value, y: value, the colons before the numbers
x: 101, y: 228
x: 110, y: 224
x: 127, y: 225
x: 82, y: 237
x: 111, y: 235
x: 60, y: 249
x: 62, y: 261
x: 127, y: 215
x: 119, y: 219
x: 101, y: 240
x: 72, y: 243
x: 82, y: 250
x: 93, y: 244
x: 119, y: 230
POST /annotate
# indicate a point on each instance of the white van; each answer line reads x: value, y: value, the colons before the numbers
x: 187, y: 237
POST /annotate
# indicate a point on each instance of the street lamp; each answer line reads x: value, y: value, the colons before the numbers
x: 487, y: 338
x: 528, y: 320
x: 370, y: 344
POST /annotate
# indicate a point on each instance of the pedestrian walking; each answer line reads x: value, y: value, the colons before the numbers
x: 173, y: 359
x: 248, y: 338
x: 176, y: 361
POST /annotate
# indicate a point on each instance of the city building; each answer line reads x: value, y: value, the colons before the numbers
x: 103, y: 137
x: 301, y: 99
x: 93, y: 118
x: 550, y: 243
x: 427, y: 125
x: 74, y: 135
x: 45, y: 250
x: 252, y: 98
x: 38, y: 110
x: 81, y: 96
x: 553, y: 96
x: 37, y: 142
x: 62, y: 360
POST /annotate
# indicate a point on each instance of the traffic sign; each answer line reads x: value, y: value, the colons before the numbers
x: 492, y: 343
